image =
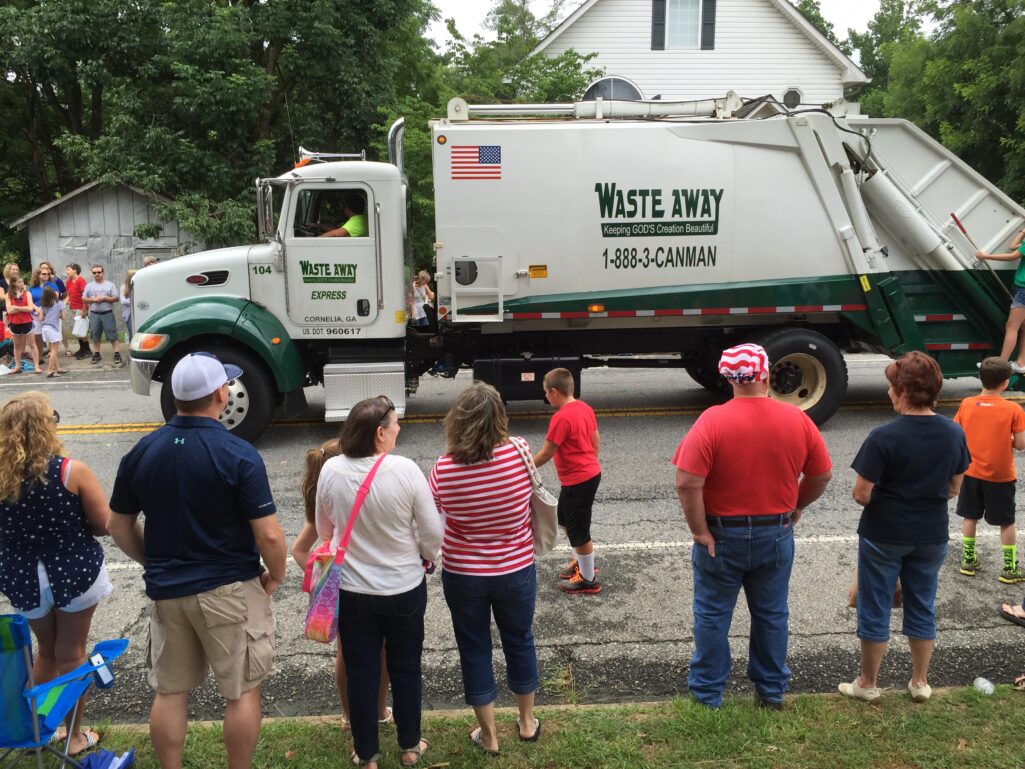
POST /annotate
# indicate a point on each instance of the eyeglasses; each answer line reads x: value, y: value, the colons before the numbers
x: 45, y: 272
x: 56, y: 417
x: 97, y: 272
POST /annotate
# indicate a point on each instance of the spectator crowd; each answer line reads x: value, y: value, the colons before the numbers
x: 39, y: 318
x: 192, y: 504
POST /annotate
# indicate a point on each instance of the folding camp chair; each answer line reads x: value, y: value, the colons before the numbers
x: 30, y: 714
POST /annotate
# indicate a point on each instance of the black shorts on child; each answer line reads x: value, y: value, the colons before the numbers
x: 990, y: 499
x: 574, y: 511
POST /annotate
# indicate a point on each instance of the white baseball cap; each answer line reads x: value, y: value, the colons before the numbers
x: 200, y: 373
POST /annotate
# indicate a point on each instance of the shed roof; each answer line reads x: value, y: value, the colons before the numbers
x: 18, y: 224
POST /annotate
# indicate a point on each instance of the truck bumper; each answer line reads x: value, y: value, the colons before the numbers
x: 140, y: 372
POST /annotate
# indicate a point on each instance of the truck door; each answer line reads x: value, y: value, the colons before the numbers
x: 331, y: 256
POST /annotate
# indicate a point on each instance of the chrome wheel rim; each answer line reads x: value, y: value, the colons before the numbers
x: 237, y: 407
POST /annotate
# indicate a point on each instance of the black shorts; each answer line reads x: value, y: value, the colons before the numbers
x: 989, y: 499
x: 21, y: 329
x: 574, y: 512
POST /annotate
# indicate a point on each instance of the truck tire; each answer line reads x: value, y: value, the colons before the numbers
x: 251, y: 397
x: 808, y: 370
x: 707, y: 375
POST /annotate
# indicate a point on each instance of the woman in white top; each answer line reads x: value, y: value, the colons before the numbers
x: 383, y: 591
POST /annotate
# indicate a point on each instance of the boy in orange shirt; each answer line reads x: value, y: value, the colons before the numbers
x: 574, y: 442
x: 992, y: 425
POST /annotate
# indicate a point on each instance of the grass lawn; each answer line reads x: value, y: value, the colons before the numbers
x: 957, y: 728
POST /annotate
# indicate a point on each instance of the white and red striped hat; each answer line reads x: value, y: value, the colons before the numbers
x: 744, y: 363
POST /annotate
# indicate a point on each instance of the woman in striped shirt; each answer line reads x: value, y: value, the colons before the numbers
x: 482, y: 489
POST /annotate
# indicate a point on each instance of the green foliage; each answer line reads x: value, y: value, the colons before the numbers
x: 895, y: 27
x: 966, y: 86
x: 812, y: 11
x: 196, y: 98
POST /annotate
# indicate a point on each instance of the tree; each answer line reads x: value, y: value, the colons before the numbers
x: 966, y: 86
x: 812, y: 11
x: 896, y: 26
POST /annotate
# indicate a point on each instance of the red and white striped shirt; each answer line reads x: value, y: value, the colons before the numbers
x: 486, y: 509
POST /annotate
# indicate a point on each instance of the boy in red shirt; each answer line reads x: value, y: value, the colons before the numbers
x: 76, y: 285
x: 992, y: 426
x: 573, y: 441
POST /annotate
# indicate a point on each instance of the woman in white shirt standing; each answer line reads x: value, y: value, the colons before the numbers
x: 383, y: 591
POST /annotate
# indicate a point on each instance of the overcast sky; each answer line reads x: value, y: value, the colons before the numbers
x: 469, y: 14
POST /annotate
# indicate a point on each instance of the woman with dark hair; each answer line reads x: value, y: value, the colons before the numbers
x: 383, y: 591
x: 907, y: 470
x: 51, y: 567
x: 483, y: 489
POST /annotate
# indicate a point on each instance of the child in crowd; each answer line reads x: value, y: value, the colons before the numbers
x: 52, y: 325
x: 992, y: 426
x: 574, y: 442
x: 303, y: 549
x: 20, y: 312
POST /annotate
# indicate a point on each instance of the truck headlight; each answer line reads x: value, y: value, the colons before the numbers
x: 149, y: 342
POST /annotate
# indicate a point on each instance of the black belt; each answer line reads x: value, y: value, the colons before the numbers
x: 100, y: 312
x: 737, y: 521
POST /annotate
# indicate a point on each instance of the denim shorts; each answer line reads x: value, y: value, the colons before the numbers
x: 879, y: 566
x: 1019, y: 297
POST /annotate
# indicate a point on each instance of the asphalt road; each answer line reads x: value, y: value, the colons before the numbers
x: 631, y: 642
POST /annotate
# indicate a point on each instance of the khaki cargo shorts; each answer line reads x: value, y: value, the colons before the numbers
x: 230, y: 629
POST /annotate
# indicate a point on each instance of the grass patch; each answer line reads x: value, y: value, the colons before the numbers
x: 957, y: 728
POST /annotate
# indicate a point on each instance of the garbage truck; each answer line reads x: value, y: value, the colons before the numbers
x: 604, y: 233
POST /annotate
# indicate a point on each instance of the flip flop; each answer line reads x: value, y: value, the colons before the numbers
x: 475, y: 738
x: 388, y: 719
x: 1019, y: 683
x: 91, y: 740
x: 69, y: 354
x: 535, y: 735
x: 1010, y: 617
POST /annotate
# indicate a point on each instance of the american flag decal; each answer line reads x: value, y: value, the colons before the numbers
x: 476, y: 161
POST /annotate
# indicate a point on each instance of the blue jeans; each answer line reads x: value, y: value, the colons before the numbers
x: 879, y: 566
x: 759, y: 559
x: 365, y: 623
x: 472, y: 600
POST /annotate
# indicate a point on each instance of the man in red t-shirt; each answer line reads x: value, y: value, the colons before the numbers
x: 76, y: 285
x: 574, y: 442
x: 745, y: 472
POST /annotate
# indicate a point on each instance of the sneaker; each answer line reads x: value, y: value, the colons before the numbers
x: 1012, y: 576
x: 577, y: 584
x: 970, y: 566
x: 96, y: 358
x: 117, y: 359
x: 82, y: 354
x: 573, y: 568
x: 1016, y: 368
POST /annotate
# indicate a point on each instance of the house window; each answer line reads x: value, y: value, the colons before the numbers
x: 683, y: 23
x: 612, y: 88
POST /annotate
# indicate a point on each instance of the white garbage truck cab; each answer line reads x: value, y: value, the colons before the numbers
x: 603, y: 233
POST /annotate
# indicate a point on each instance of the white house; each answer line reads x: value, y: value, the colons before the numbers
x: 700, y: 49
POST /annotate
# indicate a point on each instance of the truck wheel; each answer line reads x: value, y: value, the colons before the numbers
x: 707, y: 375
x: 251, y: 397
x: 808, y: 370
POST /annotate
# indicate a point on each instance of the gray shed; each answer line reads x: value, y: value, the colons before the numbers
x: 96, y: 225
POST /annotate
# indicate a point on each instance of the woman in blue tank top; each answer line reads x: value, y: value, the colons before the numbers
x: 51, y: 565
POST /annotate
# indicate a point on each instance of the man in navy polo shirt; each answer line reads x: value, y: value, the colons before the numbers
x: 209, y: 519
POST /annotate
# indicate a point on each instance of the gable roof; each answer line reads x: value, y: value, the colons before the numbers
x: 18, y: 224
x: 851, y: 73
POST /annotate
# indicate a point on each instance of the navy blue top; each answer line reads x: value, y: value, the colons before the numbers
x: 46, y: 524
x: 911, y: 461
x: 198, y: 487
